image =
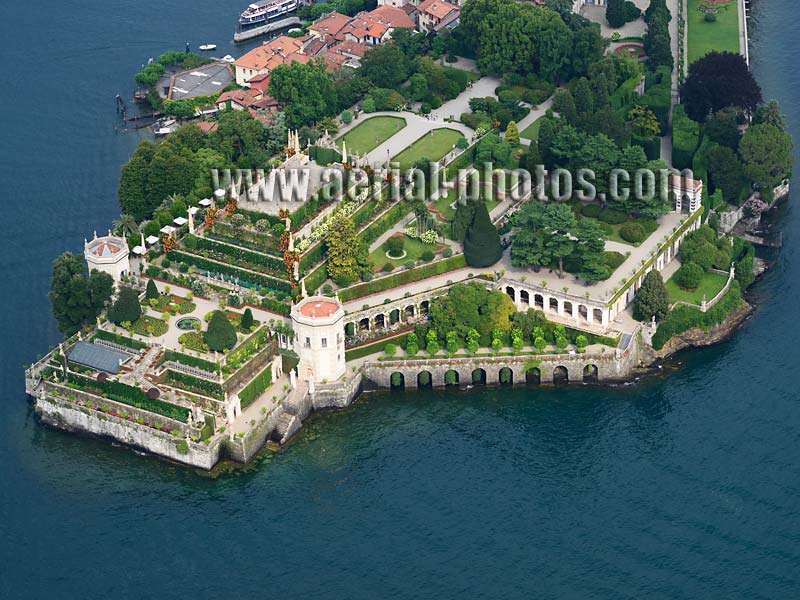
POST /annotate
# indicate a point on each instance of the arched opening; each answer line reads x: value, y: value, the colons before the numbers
x: 394, y: 316
x: 685, y: 203
x: 479, y: 377
x: 511, y: 292
x: 538, y: 301
x: 568, y: 308
x: 560, y: 375
x: 409, y: 310
x: 424, y: 379
x: 397, y: 381
x: 350, y: 329
x: 424, y: 306
x: 380, y: 321
x: 590, y: 374
x: 451, y: 377
x: 554, y: 304
x: 598, y: 315
x: 583, y: 312
x: 363, y: 324
x: 505, y: 376
x: 524, y: 297
x: 533, y: 376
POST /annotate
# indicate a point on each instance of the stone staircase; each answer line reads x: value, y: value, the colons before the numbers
x: 296, y: 407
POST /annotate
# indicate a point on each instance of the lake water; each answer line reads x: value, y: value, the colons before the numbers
x: 685, y: 486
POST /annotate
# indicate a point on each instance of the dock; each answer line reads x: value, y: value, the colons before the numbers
x: 249, y: 34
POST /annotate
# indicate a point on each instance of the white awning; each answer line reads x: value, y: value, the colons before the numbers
x: 167, y: 230
x: 180, y: 221
x: 151, y: 239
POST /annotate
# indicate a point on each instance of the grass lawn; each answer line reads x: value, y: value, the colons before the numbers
x: 721, y: 35
x: 612, y: 229
x: 442, y: 207
x: 433, y: 146
x: 710, y: 285
x: 531, y: 132
x: 413, y: 248
x: 371, y: 133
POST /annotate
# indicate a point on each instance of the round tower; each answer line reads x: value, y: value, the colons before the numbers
x: 318, y: 324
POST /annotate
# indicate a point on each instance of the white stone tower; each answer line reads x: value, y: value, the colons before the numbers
x: 318, y: 324
x: 108, y: 254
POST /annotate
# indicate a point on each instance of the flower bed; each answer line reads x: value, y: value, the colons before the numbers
x: 149, y: 326
x: 632, y: 50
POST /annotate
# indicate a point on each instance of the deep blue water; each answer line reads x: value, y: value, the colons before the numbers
x: 685, y: 486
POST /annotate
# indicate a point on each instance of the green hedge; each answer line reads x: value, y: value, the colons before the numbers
x: 312, y: 256
x: 257, y: 280
x: 250, y: 346
x: 651, y: 146
x: 324, y: 156
x: 195, y: 384
x: 191, y: 361
x: 254, y: 216
x: 384, y: 223
x: 682, y: 318
x: 132, y: 396
x: 276, y: 306
x: 256, y: 387
x: 274, y: 266
x: 685, y: 137
x: 121, y: 340
x: 316, y: 278
x: 403, y: 278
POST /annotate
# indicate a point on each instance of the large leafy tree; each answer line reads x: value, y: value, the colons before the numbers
x: 101, y: 287
x: 651, y: 300
x: 385, y: 66
x: 718, y: 80
x: 726, y: 172
x: 306, y: 90
x: 347, y: 256
x: 69, y: 293
x: 544, y: 235
x: 133, y: 196
x: 767, y: 154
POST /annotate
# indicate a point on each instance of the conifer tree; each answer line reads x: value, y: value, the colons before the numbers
x: 482, y: 245
x: 512, y: 134
x: 151, y: 292
x: 651, y: 300
x: 126, y: 307
x: 220, y: 334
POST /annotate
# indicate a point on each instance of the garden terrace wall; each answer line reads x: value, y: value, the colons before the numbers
x: 382, y: 284
x: 256, y: 387
x: 120, y: 340
x: 258, y: 280
x: 185, y: 359
x: 273, y: 266
x: 254, y: 240
x: 253, y: 365
x: 63, y: 414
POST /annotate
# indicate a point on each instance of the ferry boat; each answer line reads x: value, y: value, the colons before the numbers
x: 267, y: 10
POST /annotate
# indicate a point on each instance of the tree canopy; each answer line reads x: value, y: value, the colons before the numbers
x: 651, y: 299
x: 718, y: 80
x: 220, y: 335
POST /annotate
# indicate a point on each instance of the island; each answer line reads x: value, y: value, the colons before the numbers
x: 496, y: 193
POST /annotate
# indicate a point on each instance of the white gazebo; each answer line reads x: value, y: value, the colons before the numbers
x: 108, y: 254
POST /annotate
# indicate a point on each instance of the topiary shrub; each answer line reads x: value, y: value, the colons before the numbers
x: 151, y: 292
x: 688, y: 276
x: 632, y: 232
x: 388, y: 267
x: 395, y: 245
x: 220, y: 335
x: 427, y: 256
x: 247, y: 319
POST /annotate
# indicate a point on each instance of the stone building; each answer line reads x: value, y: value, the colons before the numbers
x: 108, y: 254
x: 318, y: 324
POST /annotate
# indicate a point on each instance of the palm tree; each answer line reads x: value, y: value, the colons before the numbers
x: 126, y: 225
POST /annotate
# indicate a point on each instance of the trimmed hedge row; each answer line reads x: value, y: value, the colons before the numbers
x: 254, y: 216
x: 276, y: 306
x: 257, y: 279
x: 247, y: 348
x: 405, y: 277
x: 316, y: 278
x: 132, y: 396
x: 312, y: 256
x: 192, y: 383
x: 383, y: 224
x: 256, y: 387
x: 685, y: 137
x: 273, y: 265
x: 683, y: 318
x: 190, y: 361
x: 121, y: 340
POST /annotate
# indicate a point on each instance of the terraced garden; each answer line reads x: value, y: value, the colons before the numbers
x: 433, y: 146
x: 371, y: 133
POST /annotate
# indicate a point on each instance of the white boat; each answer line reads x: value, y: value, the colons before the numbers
x: 228, y: 58
x: 208, y: 47
x: 264, y: 11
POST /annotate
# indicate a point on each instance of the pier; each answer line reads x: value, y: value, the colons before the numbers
x: 249, y: 34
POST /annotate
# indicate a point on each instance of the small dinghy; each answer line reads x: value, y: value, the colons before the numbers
x: 208, y: 47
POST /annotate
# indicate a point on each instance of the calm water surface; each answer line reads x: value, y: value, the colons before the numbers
x: 681, y: 487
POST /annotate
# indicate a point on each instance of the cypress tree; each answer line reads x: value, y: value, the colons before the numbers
x: 151, y: 292
x: 126, y: 307
x: 512, y: 134
x: 247, y: 319
x: 465, y: 213
x: 651, y: 300
x: 220, y: 334
x: 482, y: 245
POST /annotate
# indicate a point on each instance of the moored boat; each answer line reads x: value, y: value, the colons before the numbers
x: 267, y: 10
